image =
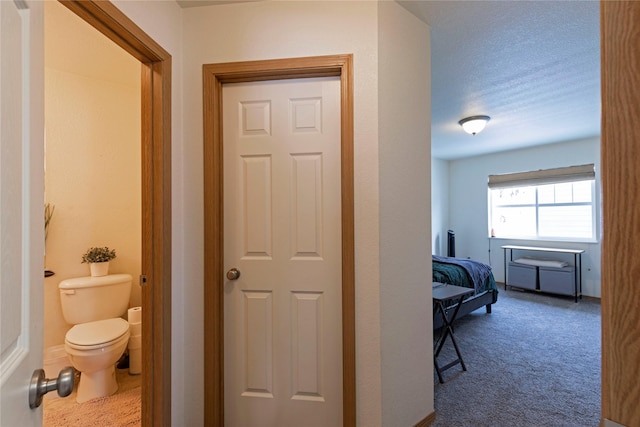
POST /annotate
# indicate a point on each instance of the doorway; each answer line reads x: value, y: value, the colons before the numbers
x: 215, y: 76
x: 156, y: 199
x: 92, y: 179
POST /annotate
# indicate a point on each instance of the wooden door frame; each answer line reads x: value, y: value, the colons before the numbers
x: 214, y: 77
x: 156, y: 199
x: 620, y: 62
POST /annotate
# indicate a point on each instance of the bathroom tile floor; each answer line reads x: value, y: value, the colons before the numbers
x: 68, y: 404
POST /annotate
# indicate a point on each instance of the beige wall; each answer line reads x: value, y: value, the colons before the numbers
x: 404, y: 123
x: 162, y: 21
x: 255, y: 31
x: 252, y: 31
x: 280, y: 29
x: 92, y: 158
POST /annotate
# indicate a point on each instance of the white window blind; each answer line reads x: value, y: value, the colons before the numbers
x: 543, y: 176
x: 550, y: 204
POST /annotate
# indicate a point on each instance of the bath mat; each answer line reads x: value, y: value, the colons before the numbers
x: 118, y: 410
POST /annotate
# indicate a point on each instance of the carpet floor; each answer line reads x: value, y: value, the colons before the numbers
x: 535, y: 361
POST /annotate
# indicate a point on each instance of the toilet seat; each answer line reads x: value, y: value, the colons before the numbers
x: 92, y: 335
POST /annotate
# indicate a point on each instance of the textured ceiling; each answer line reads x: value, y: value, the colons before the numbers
x: 533, y: 66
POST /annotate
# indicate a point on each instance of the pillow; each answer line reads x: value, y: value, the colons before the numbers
x: 542, y: 262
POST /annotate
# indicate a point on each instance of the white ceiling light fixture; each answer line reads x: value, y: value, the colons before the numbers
x: 474, y: 124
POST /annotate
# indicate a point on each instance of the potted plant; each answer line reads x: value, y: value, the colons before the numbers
x: 98, y: 260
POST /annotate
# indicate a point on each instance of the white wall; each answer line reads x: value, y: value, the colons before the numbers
x: 468, y: 211
x: 439, y: 205
x: 405, y: 206
x: 92, y: 133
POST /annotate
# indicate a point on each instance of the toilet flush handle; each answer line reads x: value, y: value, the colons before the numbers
x: 233, y: 274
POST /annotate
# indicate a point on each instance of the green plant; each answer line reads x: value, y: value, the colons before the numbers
x: 98, y: 255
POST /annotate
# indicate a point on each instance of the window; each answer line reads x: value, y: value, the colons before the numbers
x: 544, y: 205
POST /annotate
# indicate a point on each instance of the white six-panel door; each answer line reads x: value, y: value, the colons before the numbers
x: 21, y: 208
x: 283, y: 333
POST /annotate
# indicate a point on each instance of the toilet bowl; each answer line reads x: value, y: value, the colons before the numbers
x: 94, y: 348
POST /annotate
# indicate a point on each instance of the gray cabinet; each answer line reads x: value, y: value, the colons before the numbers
x: 557, y: 280
x: 523, y: 276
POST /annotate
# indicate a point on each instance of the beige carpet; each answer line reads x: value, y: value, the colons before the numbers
x: 119, y: 410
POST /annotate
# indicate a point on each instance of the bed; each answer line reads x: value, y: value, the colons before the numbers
x: 470, y: 274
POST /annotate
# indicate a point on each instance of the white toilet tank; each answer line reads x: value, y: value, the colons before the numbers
x: 85, y: 299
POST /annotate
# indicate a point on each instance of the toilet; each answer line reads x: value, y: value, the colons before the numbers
x: 99, y: 336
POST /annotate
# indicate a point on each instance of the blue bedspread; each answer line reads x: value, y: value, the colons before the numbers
x: 478, y: 274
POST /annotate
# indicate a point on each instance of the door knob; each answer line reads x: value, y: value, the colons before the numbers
x: 233, y: 274
x: 40, y: 385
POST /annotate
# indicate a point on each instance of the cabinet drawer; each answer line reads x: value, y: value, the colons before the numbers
x: 522, y: 276
x: 557, y: 280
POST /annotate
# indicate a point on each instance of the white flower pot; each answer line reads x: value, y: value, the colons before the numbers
x: 99, y: 268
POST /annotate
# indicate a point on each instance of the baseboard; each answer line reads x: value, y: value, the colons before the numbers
x: 590, y: 298
x: 426, y: 422
x: 608, y: 423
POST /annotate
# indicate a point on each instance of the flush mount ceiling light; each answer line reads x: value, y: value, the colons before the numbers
x: 474, y: 124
